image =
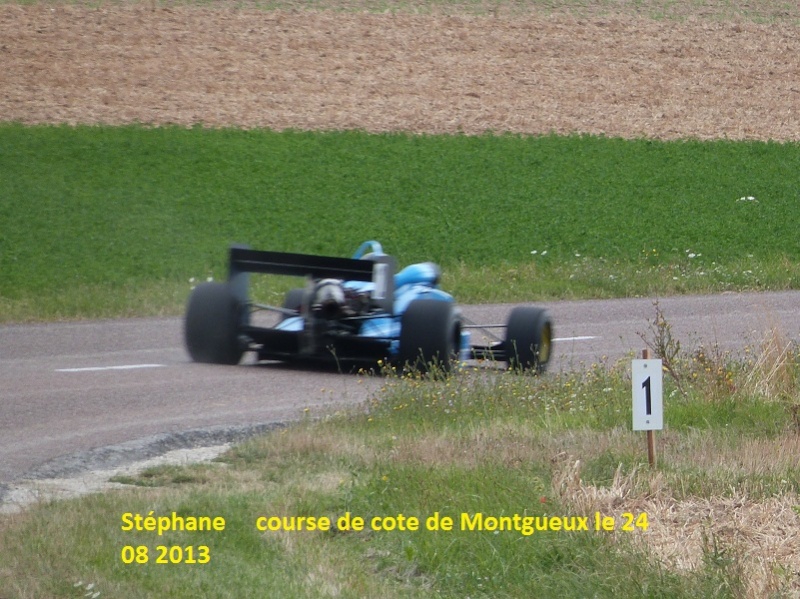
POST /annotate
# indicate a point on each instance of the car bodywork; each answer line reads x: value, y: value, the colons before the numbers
x: 352, y: 310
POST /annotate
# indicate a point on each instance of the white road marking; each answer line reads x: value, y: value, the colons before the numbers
x: 99, y: 368
x: 581, y: 338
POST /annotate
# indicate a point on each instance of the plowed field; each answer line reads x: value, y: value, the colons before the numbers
x: 524, y: 72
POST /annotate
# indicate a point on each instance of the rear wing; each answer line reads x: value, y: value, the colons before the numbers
x: 378, y: 269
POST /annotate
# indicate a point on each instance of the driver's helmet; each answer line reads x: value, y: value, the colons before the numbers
x: 328, y: 298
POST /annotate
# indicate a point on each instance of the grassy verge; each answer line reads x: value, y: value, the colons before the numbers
x: 718, y: 518
x: 98, y: 221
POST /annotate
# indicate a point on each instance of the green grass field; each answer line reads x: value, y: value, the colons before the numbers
x: 100, y: 221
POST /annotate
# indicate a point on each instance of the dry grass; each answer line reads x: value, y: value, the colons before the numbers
x: 761, y: 539
x: 757, y: 539
x: 772, y: 375
x: 756, y: 457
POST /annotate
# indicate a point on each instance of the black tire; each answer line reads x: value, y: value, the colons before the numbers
x: 293, y: 300
x: 211, y: 326
x: 529, y: 339
x: 430, y: 336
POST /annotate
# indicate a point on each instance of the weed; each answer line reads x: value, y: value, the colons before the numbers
x: 664, y: 345
x: 157, y: 476
x: 713, y: 372
x: 724, y: 562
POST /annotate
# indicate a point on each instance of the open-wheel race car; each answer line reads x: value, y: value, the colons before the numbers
x: 352, y: 310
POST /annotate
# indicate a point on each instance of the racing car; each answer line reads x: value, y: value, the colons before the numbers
x: 353, y: 310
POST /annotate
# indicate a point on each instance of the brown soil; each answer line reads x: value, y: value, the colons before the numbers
x: 528, y: 73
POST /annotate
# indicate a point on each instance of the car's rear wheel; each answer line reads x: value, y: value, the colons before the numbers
x: 211, y: 326
x: 293, y: 300
x: 529, y: 339
x: 430, y: 336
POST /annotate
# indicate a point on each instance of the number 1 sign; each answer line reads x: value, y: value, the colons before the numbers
x: 648, y: 405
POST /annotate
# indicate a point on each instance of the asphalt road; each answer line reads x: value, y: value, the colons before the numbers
x: 70, y: 388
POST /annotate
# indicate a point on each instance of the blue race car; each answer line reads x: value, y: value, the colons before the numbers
x: 352, y: 310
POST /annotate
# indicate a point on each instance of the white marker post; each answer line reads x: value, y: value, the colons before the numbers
x: 648, y: 401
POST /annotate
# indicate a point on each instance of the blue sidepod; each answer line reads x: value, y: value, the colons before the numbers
x: 414, y: 282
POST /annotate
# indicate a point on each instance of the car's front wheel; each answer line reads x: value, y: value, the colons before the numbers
x: 529, y: 339
x: 211, y: 326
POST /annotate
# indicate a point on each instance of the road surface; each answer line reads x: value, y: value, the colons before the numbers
x: 71, y: 388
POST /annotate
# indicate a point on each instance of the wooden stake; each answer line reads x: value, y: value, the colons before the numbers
x: 651, y: 435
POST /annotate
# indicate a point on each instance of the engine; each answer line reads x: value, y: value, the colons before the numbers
x: 332, y: 301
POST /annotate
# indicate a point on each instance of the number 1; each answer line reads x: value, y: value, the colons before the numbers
x: 648, y: 396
